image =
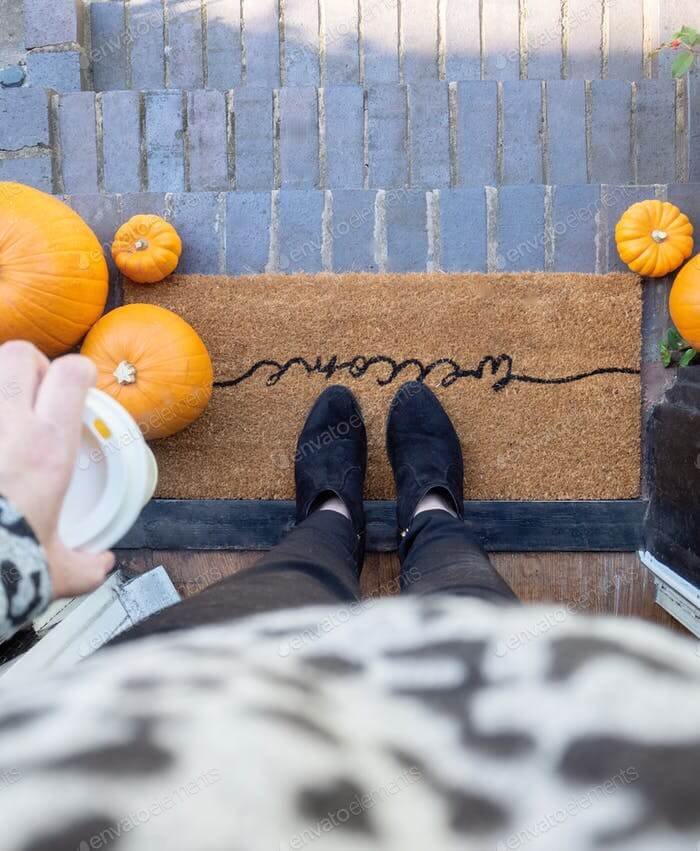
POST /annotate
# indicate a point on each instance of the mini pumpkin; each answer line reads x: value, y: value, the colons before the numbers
x: 653, y: 238
x: 146, y: 249
x: 684, y: 302
x: 53, y: 274
x: 153, y: 363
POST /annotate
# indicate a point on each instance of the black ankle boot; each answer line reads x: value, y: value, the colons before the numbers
x: 331, y: 456
x: 424, y: 451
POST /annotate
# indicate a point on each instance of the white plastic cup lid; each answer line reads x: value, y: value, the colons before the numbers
x: 115, y: 475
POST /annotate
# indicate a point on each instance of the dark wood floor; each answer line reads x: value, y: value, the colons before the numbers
x: 614, y: 583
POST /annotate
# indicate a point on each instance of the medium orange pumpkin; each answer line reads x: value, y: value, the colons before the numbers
x: 155, y: 364
x: 684, y: 302
x: 53, y: 274
x: 653, y: 238
x: 146, y: 249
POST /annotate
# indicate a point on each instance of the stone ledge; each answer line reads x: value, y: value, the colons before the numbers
x: 422, y: 136
x: 221, y: 45
x: 486, y: 229
x: 227, y: 44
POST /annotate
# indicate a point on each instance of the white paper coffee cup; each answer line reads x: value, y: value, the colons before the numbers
x: 115, y: 475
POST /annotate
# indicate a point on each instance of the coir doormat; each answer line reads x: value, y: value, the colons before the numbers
x: 539, y: 372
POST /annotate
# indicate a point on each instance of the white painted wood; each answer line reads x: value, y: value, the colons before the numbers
x: 71, y: 630
x: 680, y: 598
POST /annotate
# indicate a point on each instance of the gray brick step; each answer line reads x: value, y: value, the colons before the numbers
x: 188, y: 44
x: 148, y: 44
x: 428, y: 135
x: 511, y: 229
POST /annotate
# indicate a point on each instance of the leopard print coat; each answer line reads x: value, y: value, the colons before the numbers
x: 436, y: 723
x: 25, y: 587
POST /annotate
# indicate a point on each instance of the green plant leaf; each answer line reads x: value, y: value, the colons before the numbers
x: 683, y: 64
x: 688, y: 357
x: 689, y: 35
x: 665, y: 354
x: 674, y: 339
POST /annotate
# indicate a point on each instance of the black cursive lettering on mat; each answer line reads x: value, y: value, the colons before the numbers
x: 389, y: 370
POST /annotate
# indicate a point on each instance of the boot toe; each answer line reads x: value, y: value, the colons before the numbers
x: 334, y: 406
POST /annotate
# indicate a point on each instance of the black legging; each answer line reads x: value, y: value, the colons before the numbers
x: 315, y: 564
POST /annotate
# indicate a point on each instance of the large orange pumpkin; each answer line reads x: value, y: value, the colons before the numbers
x: 155, y: 364
x: 53, y: 275
x: 684, y: 302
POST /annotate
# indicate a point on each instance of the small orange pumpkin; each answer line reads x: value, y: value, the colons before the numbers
x: 146, y: 249
x: 153, y: 363
x: 53, y: 274
x: 684, y: 302
x: 653, y: 238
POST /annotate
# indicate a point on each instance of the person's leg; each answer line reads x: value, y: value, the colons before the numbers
x: 314, y: 564
x: 320, y: 560
x: 439, y: 553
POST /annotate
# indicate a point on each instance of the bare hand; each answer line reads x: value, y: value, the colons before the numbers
x: 41, y: 408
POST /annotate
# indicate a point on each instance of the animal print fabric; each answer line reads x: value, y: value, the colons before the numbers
x: 414, y: 724
x: 25, y: 587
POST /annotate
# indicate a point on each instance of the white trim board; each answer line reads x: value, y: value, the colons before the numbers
x: 71, y: 630
x: 680, y: 598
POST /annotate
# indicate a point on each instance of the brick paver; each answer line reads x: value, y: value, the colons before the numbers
x: 253, y: 140
x: 463, y: 230
x: 344, y: 133
x: 300, y: 231
x: 184, y: 61
x: 121, y: 141
x: 406, y: 231
x: 146, y: 45
x: 52, y: 22
x: 299, y: 163
x: 108, y: 50
x: 207, y: 152
x: 24, y: 119
x: 164, y: 141
x: 521, y: 231
x: 248, y: 216
x: 60, y: 70
x: 574, y: 226
x: 78, y: 146
x: 353, y: 230
x: 566, y: 131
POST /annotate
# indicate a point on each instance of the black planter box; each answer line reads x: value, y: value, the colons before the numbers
x: 672, y: 524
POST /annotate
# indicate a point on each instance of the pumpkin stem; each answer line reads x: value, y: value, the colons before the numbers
x: 141, y: 244
x: 125, y: 373
x: 659, y: 235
